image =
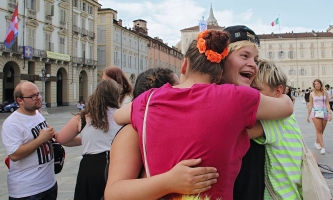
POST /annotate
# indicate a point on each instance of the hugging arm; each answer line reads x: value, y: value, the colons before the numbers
x: 68, y: 134
x: 274, y: 108
x: 122, y: 116
x: 125, y: 166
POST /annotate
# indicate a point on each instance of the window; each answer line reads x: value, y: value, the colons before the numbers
x: 281, y: 54
x: 31, y: 37
x: 270, y: 55
x: 130, y: 61
x: 48, y: 44
x: 49, y: 9
x: 75, y: 48
x: 101, y: 55
x: 323, y: 69
x: 91, y: 52
x: 75, y: 3
x: 75, y: 17
x: 292, y: 71
x: 90, y: 9
x: 32, y: 4
x: 83, y: 23
x: 291, y: 54
x: 312, y: 53
x: 302, y: 72
x: 102, y: 18
x: 124, y: 61
x: 116, y: 60
x: 83, y: 6
x: 101, y: 34
x: 83, y: 50
x: 62, y: 45
x: 141, y: 64
x: 63, y: 16
x: 90, y: 25
x: 135, y: 63
x: 323, y: 53
x: 117, y: 37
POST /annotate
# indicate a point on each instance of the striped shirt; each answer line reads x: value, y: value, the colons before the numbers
x: 283, y: 142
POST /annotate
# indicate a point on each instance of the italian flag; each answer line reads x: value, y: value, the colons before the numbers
x: 275, y: 22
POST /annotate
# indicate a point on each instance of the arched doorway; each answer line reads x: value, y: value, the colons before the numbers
x: 83, y: 86
x: 62, y: 87
x: 11, y: 77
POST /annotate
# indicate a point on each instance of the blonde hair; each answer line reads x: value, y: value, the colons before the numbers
x: 240, y: 44
x: 270, y: 74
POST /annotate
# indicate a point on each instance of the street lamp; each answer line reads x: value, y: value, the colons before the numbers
x: 43, y: 78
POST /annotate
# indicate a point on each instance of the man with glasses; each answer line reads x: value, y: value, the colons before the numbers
x: 26, y: 138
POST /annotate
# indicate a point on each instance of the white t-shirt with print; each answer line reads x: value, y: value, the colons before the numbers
x: 35, y: 173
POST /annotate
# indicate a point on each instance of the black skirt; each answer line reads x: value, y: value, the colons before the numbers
x: 91, y: 181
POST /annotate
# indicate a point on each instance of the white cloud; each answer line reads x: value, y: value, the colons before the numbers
x: 166, y: 18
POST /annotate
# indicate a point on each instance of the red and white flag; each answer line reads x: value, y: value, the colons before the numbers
x: 12, y: 31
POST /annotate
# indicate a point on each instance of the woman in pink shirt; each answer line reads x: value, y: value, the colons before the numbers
x: 185, y: 121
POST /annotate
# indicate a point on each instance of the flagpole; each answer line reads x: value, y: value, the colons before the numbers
x: 279, y: 24
x: 23, y: 34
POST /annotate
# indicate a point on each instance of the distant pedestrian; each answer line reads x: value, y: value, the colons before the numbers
x: 319, y: 102
x: 26, y: 138
x: 97, y: 128
x: 307, y: 97
x: 329, y: 91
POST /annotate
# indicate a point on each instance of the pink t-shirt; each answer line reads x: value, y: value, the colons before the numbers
x: 206, y: 121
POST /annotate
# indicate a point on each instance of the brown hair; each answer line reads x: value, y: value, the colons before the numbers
x: 321, y: 86
x: 152, y: 78
x: 107, y: 94
x: 198, y: 63
x: 118, y: 75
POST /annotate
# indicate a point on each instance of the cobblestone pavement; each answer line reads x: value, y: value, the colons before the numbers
x: 59, y: 116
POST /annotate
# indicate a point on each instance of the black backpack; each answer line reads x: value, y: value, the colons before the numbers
x: 59, y: 156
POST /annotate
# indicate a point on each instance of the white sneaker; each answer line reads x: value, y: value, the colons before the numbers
x: 322, y: 151
x: 317, y: 145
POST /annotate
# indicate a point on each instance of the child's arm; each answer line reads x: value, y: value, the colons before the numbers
x: 122, y: 116
x: 256, y: 131
x: 274, y: 108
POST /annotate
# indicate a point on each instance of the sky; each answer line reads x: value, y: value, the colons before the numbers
x: 165, y: 18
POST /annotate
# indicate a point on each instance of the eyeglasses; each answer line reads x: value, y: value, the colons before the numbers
x: 33, y: 97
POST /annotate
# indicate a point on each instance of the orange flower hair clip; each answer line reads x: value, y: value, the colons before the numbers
x: 211, y: 55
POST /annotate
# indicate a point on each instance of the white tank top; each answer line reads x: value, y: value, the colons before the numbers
x: 96, y: 141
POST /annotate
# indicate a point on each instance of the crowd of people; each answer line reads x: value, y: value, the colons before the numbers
x: 210, y: 133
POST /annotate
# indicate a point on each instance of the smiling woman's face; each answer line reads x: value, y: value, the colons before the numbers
x: 240, y: 66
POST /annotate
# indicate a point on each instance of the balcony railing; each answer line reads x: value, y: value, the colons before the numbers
x: 78, y: 60
x: 63, y: 24
x: 32, y: 13
x: 13, y: 49
x: 39, y: 53
x: 84, y: 31
x: 48, y: 19
x: 91, y: 34
x: 76, y: 29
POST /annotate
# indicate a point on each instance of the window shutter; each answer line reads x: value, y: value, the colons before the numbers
x: 37, y: 5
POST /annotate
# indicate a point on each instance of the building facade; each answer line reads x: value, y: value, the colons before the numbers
x: 131, y: 49
x: 304, y: 57
x: 46, y: 41
x: 190, y: 34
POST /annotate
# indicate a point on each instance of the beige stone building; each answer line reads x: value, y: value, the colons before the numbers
x: 59, y: 36
x: 130, y: 48
x: 303, y: 56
